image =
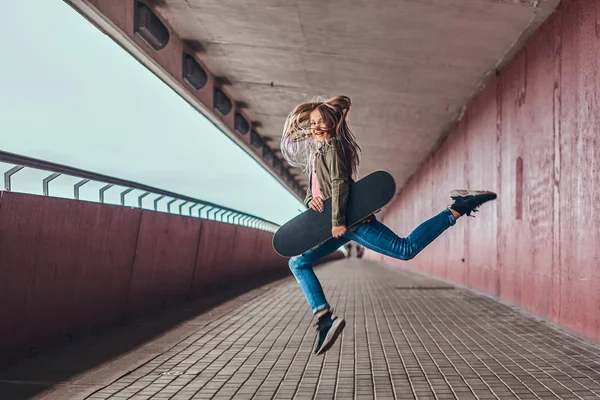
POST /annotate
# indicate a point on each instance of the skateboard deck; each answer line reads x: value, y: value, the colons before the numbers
x: 311, y: 228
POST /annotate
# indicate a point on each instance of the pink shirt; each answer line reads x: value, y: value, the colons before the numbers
x: 316, y: 192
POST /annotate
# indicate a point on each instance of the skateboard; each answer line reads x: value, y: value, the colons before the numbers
x: 311, y: 228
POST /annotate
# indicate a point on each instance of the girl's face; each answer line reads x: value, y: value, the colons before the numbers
x: 320, y: 131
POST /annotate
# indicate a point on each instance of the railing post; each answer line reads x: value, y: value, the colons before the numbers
x: 181, y: 207
x: 78, y: 186
x: 156, y: 202
x: 169, y: 205
x: 141, y: 197
x: 47, y: 180
x: 8, y: 174
x: 104, y: 189
x: 123, y: 194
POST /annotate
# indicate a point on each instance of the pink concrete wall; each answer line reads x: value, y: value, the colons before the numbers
x: 533, y: 136
x: 215, y: 256
x: 65, y: 268
x: 70, y: 267
x: 165, y: 256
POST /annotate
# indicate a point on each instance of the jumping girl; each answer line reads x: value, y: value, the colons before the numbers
x: 316, y: 138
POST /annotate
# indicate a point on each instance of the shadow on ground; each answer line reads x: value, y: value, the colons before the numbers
x: 28, y: 377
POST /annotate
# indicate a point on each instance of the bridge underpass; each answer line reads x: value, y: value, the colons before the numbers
x: 529, y: 133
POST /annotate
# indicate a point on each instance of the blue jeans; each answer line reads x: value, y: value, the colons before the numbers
x: 372, y: 235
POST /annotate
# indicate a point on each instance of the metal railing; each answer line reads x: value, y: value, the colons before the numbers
x: 220, y: 213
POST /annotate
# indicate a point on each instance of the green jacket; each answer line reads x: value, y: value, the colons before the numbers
x: 334, y: 178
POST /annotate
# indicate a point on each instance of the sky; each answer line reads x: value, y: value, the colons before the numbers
x: 70, y: 95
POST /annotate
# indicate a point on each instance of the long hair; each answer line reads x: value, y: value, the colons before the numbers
x: 298, y: 146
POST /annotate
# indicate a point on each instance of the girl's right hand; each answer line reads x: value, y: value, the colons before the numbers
x: 316, y: 204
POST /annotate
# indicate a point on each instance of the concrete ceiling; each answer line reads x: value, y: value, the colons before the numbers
x: 410, y: 66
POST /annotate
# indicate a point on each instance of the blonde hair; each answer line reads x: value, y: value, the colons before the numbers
x: 299, y: 147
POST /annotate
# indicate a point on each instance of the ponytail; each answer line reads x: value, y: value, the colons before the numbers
x: 342, y: 103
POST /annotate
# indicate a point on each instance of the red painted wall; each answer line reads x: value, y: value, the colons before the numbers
x: 65, y: 269
x: 165, y: 256
x: 533, y: 136
x: 69, y: 268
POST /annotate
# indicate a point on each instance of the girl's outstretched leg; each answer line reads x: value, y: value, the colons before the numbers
x: 376, y: 236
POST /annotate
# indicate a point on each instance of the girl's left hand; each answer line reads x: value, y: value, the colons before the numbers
x: 338, y: 231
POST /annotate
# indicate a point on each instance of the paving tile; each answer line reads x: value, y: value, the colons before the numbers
x: 407, y: 336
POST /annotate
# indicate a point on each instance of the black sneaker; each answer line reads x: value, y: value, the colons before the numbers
x: 468, y: 201
x: 329, y: 328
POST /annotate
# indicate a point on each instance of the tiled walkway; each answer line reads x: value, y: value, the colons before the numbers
x: 406, y: 337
